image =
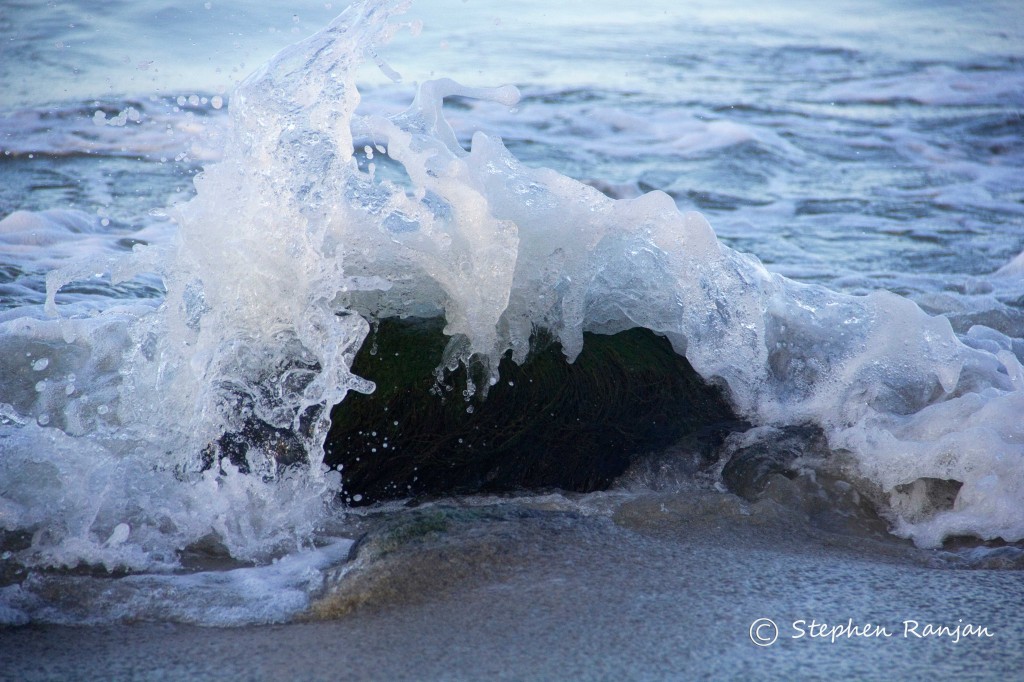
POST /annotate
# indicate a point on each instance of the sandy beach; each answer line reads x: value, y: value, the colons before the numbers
x: 653, y: 586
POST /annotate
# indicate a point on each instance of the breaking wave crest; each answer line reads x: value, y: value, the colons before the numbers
x: 318, y: 220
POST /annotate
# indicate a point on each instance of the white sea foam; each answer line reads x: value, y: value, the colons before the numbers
x: 294, y: 241
x: 273, y: 593
x: 50, y: 239
x: 932, y: 85
x: 156, y: 128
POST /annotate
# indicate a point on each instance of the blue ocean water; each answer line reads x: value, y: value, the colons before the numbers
x: 190, y: 234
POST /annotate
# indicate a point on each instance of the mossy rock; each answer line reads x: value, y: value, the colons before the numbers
x: 545, y: 424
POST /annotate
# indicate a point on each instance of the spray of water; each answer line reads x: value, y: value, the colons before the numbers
x: 317, y: 220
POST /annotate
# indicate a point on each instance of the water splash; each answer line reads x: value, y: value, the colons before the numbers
x: 247, y: 339
x: 294, y: 241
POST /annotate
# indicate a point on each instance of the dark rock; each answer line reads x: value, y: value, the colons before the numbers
x: 794, y: 468
x: 749, y: 467
x: 545, y: 424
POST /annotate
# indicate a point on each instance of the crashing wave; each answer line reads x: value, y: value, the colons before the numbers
x: 318, y: 220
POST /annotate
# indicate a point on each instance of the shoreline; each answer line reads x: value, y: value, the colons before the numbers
x: 667, y: 585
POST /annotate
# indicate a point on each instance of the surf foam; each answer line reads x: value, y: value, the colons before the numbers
x: 316, y: 220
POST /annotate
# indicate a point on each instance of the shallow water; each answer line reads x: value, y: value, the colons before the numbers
x: 864, y: 151
x: 532, y: 589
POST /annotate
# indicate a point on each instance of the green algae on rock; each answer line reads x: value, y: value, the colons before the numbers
x: 544, y: 424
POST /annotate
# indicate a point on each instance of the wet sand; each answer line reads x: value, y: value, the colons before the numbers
x: 651, y: 587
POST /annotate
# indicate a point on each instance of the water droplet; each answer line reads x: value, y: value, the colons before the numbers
x: 120, y: 534
x: 40, y: 364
